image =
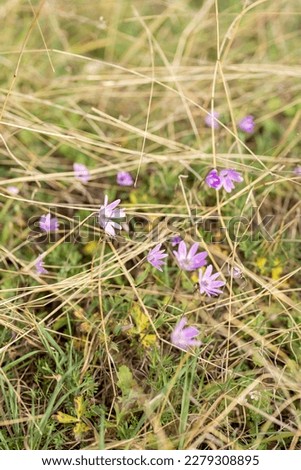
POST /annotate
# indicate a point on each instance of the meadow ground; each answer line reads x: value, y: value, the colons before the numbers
x: 86, y: 354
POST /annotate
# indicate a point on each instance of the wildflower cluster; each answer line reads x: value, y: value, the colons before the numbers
x: 189, y: 261
x: 108, y: 214
x: 188, y: 258
x: 246, y: 124
x: 47, y: 224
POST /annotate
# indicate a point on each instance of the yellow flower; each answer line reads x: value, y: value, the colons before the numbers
x: 141, y: 320
x: 142, y: 324
x: 148, y: 340
x: 260, y: 263
x: 90, y: 248
x: 276, y: 270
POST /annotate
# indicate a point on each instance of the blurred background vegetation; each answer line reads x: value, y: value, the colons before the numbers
x: 85, y: 354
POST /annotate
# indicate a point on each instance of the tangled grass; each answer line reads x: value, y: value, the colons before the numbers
x: 85, y: 353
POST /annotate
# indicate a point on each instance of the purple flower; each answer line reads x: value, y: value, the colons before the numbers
x: 39, y: 265
x: 13, y: 190
x: 211, y: 119
x: 108, y: 213
x: 297, y: 171
x: 184, y: 337
x: 213, y: 180
x: 234, y: 271
x: 176, y: 240
x: 124, y: 178
x: 224, y: 179
x: 48, y: 223
x: 227, y: 177
x: 208, y: 283
x: 81, y: 172
x: 155, y: 257
x: 247, y: 124
x: 191, y: 260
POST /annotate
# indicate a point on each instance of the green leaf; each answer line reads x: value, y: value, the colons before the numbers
x: 126, y: 382
x: 65, y: 419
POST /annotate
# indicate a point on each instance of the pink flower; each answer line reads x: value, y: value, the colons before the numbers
x: 213, y: 180
x: 208, y: 283
x: 297, y: 171
x: 184, y: 337
x: 227, y: 177
x: 247, y: 124
x: 108, y: 213
x: 124, y: 178
x: 13, y: 190
x: 224, y: 179
x: 176, y: 240
x: 48, y: 223
x: 211, y: 119
x: 155, y: 257
x: 81, y: 172
x: 39, y: 265
x: 191, y: 260
x: 234, y: 271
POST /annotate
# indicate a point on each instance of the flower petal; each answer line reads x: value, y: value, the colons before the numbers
x: 182, y: 249
x: 193, y: 250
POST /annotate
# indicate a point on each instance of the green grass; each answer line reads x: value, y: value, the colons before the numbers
x: 85, y: 355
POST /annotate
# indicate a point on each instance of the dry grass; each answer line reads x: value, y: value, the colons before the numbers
x: 130, y: 91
